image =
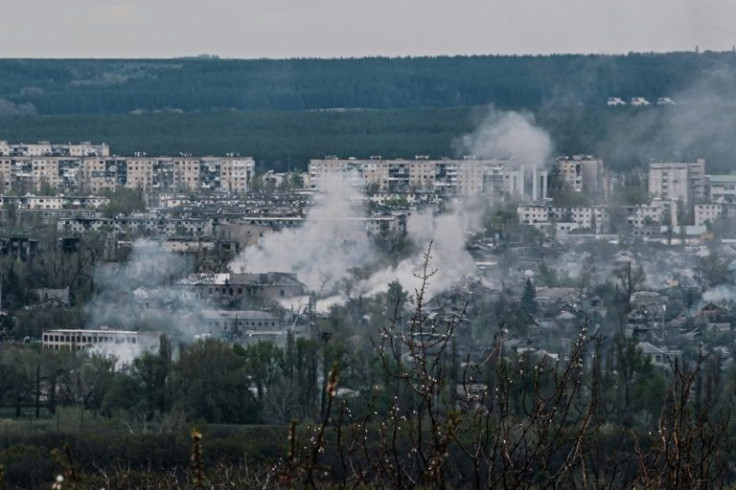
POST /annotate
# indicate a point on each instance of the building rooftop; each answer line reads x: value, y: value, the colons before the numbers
x: 87, y: 332
x: 239, y: 314
x: 724, y: 179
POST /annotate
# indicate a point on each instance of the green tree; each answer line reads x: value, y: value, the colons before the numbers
x: 213, y: 384
x: 712, y: 270
x: 149, y: 372
x: 264, y: 363
x: 123, y: 201
x: 529, y: 298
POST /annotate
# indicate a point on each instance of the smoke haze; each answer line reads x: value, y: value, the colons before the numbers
x: 505, y: 134
x: 130, y: 292
x: 700, y: 125
x: 323, y: 250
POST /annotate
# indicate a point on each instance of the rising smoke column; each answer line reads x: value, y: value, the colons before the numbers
x: 321, y: 252
x: 149, y: 266
x: 700, y: 124
x: 447, y: 232
x: 502, y: 135
x: 325, y: 249
x: 508, y: 135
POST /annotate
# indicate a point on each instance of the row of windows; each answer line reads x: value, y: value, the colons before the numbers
x: 90, y: 339
x: 226, y: 323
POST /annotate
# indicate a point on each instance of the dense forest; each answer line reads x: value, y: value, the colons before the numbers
x: 285, y: 112
x: 626, y: 137
x: 51, y: 87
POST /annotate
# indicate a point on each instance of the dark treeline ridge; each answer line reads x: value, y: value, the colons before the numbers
x: 280, y: 140
x: 288, y: 140
x: 68, y: 86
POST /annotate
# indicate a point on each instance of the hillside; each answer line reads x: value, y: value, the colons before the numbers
x: 52, y: 87
x: 284, y: 112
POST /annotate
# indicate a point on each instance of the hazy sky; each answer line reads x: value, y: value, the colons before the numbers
x: 333, y: 28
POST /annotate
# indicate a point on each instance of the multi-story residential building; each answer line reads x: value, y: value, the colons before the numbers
x: 595, y: 218
x: 582, y: 173
x: 46, y: 148
x: 103, y: 174
x: 73, y: 340
x: 465, y: 177
x: 169, y: 227
x: 91, y: 168
x: 590, y: 217
x: 54, y: 202
x: 711, y: 212
x: 683, y: 182
x: 707, y: 213
x: 528, y: 215
x: 236, y: 174
x: 721, y: 188
x: 659, y: 212
x: 525, y: 183
x: 139, y: 173
x: 243, y: 288
x: 186, y: 173
x: 49, y: 209
x: 163, y: 174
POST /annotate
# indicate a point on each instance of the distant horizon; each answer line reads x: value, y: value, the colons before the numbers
x: 216, y: 57
x: 333, y: 29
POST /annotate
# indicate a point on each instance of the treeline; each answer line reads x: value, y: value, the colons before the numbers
x: 408, y: 411
x: 209, y: 380
x: 288, y: 140
x: 120, y: 86
x: 278, y: 140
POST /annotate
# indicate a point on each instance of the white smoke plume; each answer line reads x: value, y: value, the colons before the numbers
x: 720, y: 294
x: 699, y: 125
x: 130, y: 293
x: 325, y: 250
x: 448, y: 233
x: 508, y: 135
x: 322, y: 252
x: 123, y: 353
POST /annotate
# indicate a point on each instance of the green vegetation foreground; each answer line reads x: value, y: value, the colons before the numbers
x: 603, y: 416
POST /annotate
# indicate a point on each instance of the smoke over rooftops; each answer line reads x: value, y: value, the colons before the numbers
x: 505, y: 135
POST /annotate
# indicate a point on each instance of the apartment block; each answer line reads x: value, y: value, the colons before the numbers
x: 712, y: 212
x: 683, y: 182
x: 46, y: 148
x: 31, y: 202
x: 587, y: 217
x: 525, y: 183
x: 659, y: 212
x: 463, y: 177
x: 236, y: 174
x: 139, y: 173
x: 90, y: 168
x: 193, y: 227
x: 103, y: 339
x: 582, y: 173
x: 721, y: 188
